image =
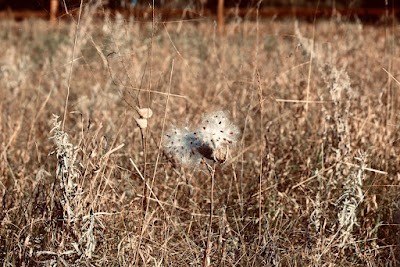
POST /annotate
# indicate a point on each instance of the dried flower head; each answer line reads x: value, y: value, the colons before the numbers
x: 142, y: 123
x: 144, y: 113
x: 211, y: 140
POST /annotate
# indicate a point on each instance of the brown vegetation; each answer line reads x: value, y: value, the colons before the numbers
x: 313, y: 181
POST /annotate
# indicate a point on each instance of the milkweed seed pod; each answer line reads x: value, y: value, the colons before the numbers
x: 211, y: 140
x: 219, y: 133
x: 183, y: 144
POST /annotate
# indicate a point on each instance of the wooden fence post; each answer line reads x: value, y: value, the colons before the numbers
x: 53, y: 10
x: 220, y: 16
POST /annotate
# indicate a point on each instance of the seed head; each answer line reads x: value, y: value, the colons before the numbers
x: 182, y: 144
x: 211, y: 140
x: 142, y: 123
x: 144, y: 113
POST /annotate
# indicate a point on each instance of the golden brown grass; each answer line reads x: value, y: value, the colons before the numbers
x: 305, y: 186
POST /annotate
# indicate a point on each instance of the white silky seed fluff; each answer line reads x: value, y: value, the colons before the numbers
x: 182, y: 145
x: 217, y: 130
x: 215, y: 133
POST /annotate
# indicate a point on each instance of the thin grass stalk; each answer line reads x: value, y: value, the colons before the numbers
x: 207, y: 251
x: 145, y: 144
x: 311, y: 58
x: 72, y: 63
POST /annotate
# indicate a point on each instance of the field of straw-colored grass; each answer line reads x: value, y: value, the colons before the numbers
x: 312, y: 180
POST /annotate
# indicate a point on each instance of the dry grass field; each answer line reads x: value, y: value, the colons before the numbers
x: 312, y: 181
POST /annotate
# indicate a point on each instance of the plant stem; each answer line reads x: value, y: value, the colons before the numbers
x: 207, y: 251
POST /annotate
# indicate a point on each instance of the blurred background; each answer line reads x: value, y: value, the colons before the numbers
x: 44, y: 4
x: 366, y: 9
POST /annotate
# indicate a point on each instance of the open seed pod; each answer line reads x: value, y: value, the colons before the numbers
x: 221, y: 155
x: 211, y: 140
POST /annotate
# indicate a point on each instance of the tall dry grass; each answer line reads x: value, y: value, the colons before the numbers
x: 304, y: 186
